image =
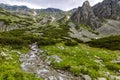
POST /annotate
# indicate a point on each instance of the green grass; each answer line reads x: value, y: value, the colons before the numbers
x: 10, y: 65
x: 81, y: 59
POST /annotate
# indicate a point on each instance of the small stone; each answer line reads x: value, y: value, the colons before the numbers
x: 52, y: 78
x: 3, y: 54
x: 102, y: 78
x: 86, y: 77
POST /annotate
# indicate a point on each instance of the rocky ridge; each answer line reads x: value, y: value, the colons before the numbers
x: 109, y: 9
x: 85, y: 15
x: 103, y: 19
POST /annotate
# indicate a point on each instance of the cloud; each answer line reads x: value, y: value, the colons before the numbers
x: 61, y: 4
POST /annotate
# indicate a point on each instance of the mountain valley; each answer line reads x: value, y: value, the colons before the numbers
x: 52, y: 44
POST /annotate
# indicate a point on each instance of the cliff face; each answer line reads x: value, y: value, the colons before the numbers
x: 109, y: 9
x: 85, y: 15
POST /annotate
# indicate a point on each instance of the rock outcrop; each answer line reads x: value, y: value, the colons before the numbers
x: 110, y: 27
x: 85, y: 15
x: 109, y: 9
x: 81, y: 33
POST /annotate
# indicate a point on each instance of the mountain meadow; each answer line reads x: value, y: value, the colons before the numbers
x: 52, y: 44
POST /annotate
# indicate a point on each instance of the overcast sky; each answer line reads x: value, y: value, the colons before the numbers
x: 61, y: 4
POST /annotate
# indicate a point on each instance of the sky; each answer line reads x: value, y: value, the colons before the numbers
x: 61, y: 4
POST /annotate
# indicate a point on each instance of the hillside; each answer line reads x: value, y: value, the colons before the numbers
x: 51, y: 44
x: 9, y: 21
x: 24, y: 10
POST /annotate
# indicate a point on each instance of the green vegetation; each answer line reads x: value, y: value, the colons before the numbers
x: 84, y: 59
x: 71, y: 43
x: 16, y: 38
x: 112, y: 42
x: 76, y: 57
x: 19, y: 38
x: 11, y: 19
x: 84, y: 26
x: 10, y: 65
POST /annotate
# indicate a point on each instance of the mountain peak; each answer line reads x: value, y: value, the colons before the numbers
x: 85, y: 15
x: 86, y: 3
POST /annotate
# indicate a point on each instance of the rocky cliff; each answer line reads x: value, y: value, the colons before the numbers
x: 109, y: 9
x: 85, y: 15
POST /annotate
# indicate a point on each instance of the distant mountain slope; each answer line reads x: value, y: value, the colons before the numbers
x: 13, y: 8
x: 25, y: 9
x: 21, y: 10
x: 9, y: 21
x: 48, y: 10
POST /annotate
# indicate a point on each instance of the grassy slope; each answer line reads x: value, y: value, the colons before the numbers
x: 11, y: 19
x: 82, y: 59
x: 10, y: 65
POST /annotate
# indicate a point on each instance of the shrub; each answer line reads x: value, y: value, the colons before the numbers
x: 113, y: 66
x: 112, y: 42
x: 71, y: 43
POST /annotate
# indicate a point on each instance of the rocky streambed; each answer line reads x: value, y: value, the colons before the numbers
x: 32, y: 62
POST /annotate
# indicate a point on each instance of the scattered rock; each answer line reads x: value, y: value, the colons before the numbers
x: 112, y: 77
x: 116, y: 60
x: 61, y: 47
x: 32, y: 63
x: 81, y: 34
x: 3, y: 54
x: 53, y: 58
